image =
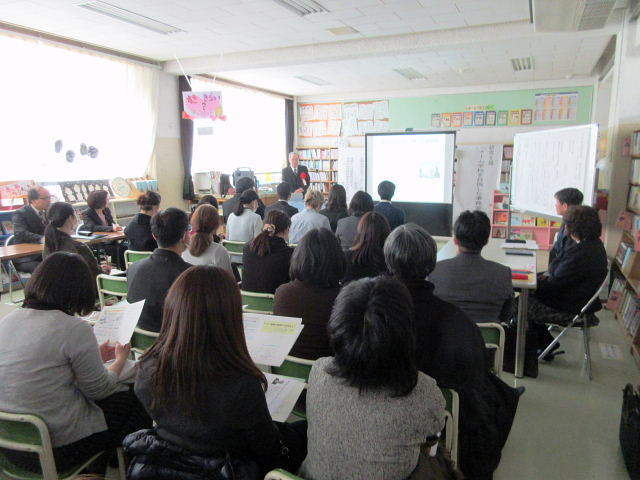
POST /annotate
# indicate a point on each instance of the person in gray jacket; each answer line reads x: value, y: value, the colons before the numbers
x: 480, y: 288
x: 360, y: 203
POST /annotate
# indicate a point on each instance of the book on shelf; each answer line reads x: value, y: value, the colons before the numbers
x: 616, y: 294
x: 542, y: 222
x: 635, y: 171
x: 521, y: 234
x: 507, y: 152
x: 635, y: 143
x: 623, y: 252
x: 501, y: 218
x: 528, y: 220
x: 634, y: 198
x: 516, y: 219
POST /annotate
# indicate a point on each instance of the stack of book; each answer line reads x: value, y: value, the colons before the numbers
x: 624, y: 255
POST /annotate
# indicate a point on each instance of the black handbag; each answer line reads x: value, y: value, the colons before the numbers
x: 630, y: 431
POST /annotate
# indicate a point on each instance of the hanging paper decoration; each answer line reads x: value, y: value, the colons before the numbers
x: 202, y: 105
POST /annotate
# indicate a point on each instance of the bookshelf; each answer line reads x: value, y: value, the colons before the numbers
x: 525, y: 227
x: 321, y: 162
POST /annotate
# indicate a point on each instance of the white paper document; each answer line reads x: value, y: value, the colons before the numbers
x: 282, y: 395
x: 117, y: 322
x: 528, y: 245
x: 270, y: 338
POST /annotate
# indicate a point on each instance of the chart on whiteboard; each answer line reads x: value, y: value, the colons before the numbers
x: 351, y: 167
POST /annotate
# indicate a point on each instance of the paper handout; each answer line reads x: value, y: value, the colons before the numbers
x: 282, y: 394
x: 117, y: 322
x: 270, y: 338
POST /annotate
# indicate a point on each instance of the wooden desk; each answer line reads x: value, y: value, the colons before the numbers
x: 494, y: 253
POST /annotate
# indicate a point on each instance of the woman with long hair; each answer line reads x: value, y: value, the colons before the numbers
x: 366, y: 257
x: 336, y: 206
x: 57, y: 237
x: 361, y: 203
x: 265, y: 261
x: 202, y: 388
x: 138, y: 231
x: 244, y: 223
x: 203, y: 250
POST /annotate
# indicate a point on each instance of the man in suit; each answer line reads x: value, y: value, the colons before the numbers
x: 479, y: 287
x: 151, y: 278
x: 282, y: 205
x: 565, y: 199
x: 243, y: 184
x: 296, y: 175
x: 394, y: 215
x: 28, y: 226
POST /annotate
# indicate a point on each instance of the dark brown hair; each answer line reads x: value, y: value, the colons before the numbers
x: 58, y: 215
x: 318, y: 259
x: 275, y: 223
x: 201, y: 341
x: 204, y: 222
x: 148, y: 200
x: 208, y: 200
x: 337, y: 198
x: 583, y: 222
x: 361, y: 203
x: 373, y: 230
x: 246, y: 198
x: 62, y: 282
x: 97, y: 199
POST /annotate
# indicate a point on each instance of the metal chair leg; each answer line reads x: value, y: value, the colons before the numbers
x: 587, y: 351
x: 555, y: 340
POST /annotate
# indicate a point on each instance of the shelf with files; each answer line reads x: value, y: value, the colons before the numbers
x: 321, y: 162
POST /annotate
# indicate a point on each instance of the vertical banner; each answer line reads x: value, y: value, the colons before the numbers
x: 477, y: 176
x: 351, y: 170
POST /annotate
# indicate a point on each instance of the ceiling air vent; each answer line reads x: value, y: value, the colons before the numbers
x: 128, y: 16
x: 409, y: 73
x: 302, y: 7
x: 522, y: 64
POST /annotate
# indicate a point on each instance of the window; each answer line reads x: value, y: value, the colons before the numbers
x: 252, y: 136
x: 58, y: 93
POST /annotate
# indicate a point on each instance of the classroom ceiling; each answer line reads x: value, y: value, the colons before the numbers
x: 261, y: 43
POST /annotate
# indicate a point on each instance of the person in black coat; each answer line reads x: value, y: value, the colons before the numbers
x: 138, y: 231
x: 228, y: 207
x: 394, y: 215
x: 98, y: 218
x: 565, y: 199
x: 450, y: 348
x: 366, y: 258
x: 28, y: 226
x: 266, y: 259
x: 296, y: 175
x: 151, y: 278
x: 336, y: 206
x: 282, y: 205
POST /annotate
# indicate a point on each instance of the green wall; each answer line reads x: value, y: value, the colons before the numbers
x: 415, y: 112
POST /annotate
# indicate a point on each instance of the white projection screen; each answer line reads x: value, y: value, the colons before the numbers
x: 419, y: 163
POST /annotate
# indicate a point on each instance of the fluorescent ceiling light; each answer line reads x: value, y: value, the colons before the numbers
x: 302, y: 7
x: 409, y: 73
x: 522, y: 64
x: 342, y: 30
x: 311, y: 79
x: 128, y: 16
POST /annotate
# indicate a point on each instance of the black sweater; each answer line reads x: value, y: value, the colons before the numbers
x: 138, y: 233
x: 265, y: 274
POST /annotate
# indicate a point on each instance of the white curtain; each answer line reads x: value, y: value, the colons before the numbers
x: 50, y: 93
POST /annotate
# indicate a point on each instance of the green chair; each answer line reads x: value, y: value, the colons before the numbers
x: 234, y: 248
x: 141, y: 340
x: 132, y: 256
x: 280, y: 474
x: 253, y: 302
x: 494, y: 338
x: 297, y: 368
x: 28, y: 433
x: 112, y: 286
x: 453, y: 417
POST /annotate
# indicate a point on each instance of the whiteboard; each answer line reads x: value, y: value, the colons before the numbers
x: 477, y: 176
x: 546, y: 161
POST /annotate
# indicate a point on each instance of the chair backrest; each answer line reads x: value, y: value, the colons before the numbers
x: 294, y: 367
x: 141, y: 340
x: 233, y: 246
x: 131, y: 256
x: 253, y: 302
x: 111, y: 285
x: 595, y: 296
x: 9, y: 241
x: 28, y: 433
x: 494, y: 338
x: 453, y: 417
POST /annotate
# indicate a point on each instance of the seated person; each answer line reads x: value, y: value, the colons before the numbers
x: 565, y: 199
x: 336, y: 206
x: 481, y: 288
x: 54, y: 367
x: 361, y: 203
x: 266, y: 260
x: 207, y: 200
x: 244, y: 224
x: 57, y: 237
x: 450, y: 348
x: 573, y: 277
x: 282, y: 205
x: 28, y: 226
x: 203, y: 391
x: 138, y: 231
x: 309, y: 218
x: 150, y: 279
x: 296, y: 175
x: 369, y: 408
x: 394, y: 215
x: 98, y: 218
x: 366, y: 258
x: 203, y: 250
x: 317, y: 266
x: 231, y: 204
